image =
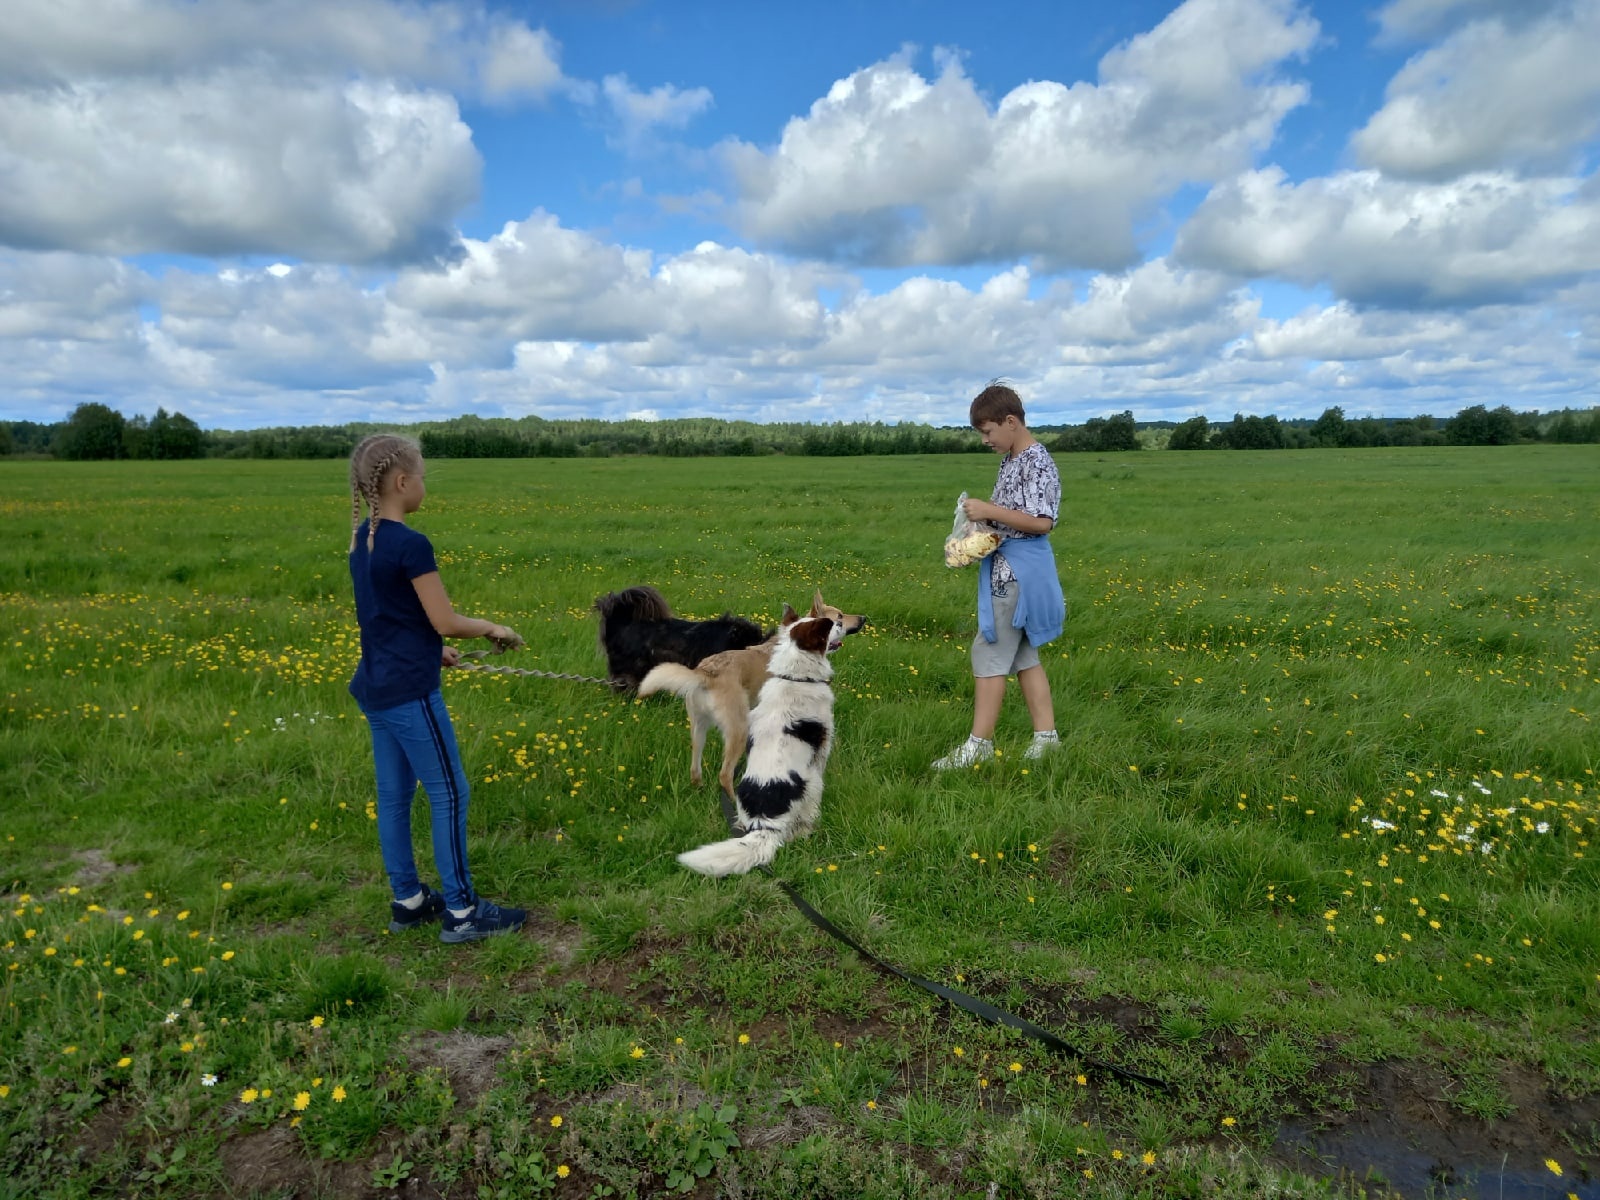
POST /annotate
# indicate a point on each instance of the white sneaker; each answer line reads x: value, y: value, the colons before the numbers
x: 1042, y: 744
x: 973, y: 750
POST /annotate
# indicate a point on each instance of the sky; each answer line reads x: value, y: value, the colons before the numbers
x: 294, y: 212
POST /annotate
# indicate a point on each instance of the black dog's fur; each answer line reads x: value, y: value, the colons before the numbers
x: 638, y: 631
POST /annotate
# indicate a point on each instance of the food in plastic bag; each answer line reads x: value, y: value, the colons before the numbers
x: 969, y: 540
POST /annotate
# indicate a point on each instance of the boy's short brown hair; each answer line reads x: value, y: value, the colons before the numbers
x: 995, y: 403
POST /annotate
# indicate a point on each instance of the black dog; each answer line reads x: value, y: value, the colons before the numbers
x: 638, y: 631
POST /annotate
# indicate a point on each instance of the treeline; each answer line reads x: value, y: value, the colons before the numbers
x: 96, y: 431
x: 1474, y: 426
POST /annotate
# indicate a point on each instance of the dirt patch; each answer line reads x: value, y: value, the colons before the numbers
x: 470, y: 1062
x: 94, y: 867
x: 561, y: 939
x: 271, y: 1163
x: 104, y: 1130
x: 1404, y: 1130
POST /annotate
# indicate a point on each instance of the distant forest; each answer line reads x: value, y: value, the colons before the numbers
x: 96, y: 431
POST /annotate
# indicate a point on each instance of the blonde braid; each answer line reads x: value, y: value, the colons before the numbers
x: 386, y: 450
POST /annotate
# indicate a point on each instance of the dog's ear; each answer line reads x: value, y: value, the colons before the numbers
x: 789, y: 616
x: 816, y: 604
x: 812, y: 635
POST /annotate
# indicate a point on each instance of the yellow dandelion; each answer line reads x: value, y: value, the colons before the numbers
x: 744, y: 1039
x: 1148, y: 1158
x: 227, y: 955
x: 563, y: 1170
x: 636, y: 1052
x: 957, y: 1051
x: 248, y: 1096
x: 1081, y: 1080
x: 339, y: 1094
x: 873, y: 1105
x: 302, y: 1101
x: 316, y: 1021
x: 5, y: 1090
x: 1229, y: 1122
x: 124, y: 1061
x: 555, y: 1121
x: 1553, y: 1165
x: 1015, y: 1068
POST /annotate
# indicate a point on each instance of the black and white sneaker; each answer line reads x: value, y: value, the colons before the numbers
x: 402, y: 918
x: 485, y: 920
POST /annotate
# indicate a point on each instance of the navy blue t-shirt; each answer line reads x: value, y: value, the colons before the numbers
x: 400, y: 649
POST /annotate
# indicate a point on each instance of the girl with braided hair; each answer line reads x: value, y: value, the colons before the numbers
x: 405, y: 615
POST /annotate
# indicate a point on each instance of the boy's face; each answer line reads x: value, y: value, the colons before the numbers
x: 1001, y: 436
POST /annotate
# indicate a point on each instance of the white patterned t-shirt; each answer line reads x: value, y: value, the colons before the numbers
x: 1028, y: 482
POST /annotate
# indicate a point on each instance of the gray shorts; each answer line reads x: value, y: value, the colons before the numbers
x: 1011, y: 651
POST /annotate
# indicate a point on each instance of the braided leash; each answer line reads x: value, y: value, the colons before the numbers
x: 527, y: 672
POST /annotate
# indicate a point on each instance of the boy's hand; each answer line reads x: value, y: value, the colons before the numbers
x: 504, y: 638
x: 978, y: 510
x: 451, y: 657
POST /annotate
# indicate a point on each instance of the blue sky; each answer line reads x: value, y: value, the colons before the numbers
x: 265, y: 212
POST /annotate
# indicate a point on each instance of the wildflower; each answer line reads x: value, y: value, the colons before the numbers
x: 248, y: 1096
x: 555, y: 1121
x: 302, y: 1101
x: 957, y: 1051
x: 171, y: 1017
x: 563, y: 1170
x: 316, y: 1021
x: 1148, y: 1158
x: 873, y: 1105
x: 226, y: 955
x: 636, y: 1052
x: 69, y: 1049
x: 1229, y: 1122
x: 208, y: 1080
x: 124, y: 1061
x: 339, y: 1094
x: 1015, y: 1068
x: 744, y: 1039
x: 1081, y: 1080
x: 1553, y: 1165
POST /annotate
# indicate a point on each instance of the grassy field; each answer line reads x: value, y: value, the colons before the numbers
x: 1316, y: 849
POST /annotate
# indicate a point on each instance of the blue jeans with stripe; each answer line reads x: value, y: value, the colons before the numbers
x: 412, y: 743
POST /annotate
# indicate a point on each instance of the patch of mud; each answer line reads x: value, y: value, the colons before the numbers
x: 470, y: 1061
x: 1404, y: 1131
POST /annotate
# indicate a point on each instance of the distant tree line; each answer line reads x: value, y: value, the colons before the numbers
x: 1474, y: 426
x: 96, y: 431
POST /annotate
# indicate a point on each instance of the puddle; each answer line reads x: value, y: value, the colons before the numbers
x: 1419, y: 1171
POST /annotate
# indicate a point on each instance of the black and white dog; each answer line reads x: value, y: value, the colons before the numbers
x: 638, y: 631
x: 791, y: 732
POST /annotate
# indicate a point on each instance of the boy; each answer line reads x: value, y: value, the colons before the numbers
x: 1020, y: 606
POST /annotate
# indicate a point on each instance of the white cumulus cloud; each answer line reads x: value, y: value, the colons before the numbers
x: 892, y: 168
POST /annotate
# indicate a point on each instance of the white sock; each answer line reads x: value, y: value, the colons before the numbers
x: 458, y: 913
x: 1045, y: 735
x: 980, y: 741
x: 415, y: 902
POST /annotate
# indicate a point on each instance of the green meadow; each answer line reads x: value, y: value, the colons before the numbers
x: 1316, y: 850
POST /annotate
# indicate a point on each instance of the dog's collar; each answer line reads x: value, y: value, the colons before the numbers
x: 797, y: 679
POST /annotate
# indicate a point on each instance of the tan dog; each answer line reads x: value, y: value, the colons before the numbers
x: 722, y: 689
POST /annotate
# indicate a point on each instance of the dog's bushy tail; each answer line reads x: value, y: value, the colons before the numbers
x: 670, y: 677
x: 734, y: 856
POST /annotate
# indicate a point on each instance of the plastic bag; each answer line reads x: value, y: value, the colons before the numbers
x: 969, y: 540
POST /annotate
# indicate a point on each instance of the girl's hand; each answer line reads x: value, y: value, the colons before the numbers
x: 504, y: 638
x: 976, y: 509
x: 451, y: 657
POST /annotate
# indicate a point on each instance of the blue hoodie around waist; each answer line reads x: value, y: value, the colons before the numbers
x: 1041, y: 608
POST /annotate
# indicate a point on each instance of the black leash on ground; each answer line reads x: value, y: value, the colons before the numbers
x: 972, y: 1004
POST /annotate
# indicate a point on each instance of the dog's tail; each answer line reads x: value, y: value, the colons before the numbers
x: 670, y: 677
x: 734, y: 856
